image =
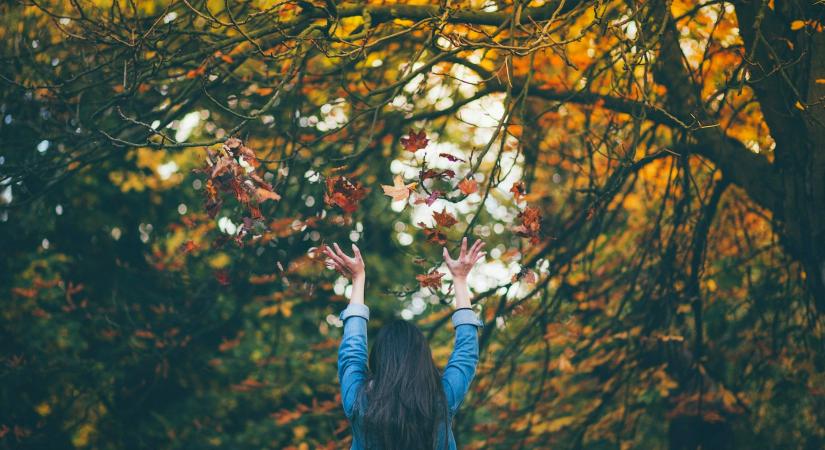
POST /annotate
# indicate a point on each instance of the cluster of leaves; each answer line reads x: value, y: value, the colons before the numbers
x: 644, y: 175
x: 232, y: 170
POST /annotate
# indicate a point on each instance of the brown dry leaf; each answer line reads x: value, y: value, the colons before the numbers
x: 444, y: 219
x: 430, y: 280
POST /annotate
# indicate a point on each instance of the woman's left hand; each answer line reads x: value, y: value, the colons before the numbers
x: 350, y: 267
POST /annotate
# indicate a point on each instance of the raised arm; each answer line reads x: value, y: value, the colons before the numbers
x: 463, y: 361
x: 352, y: 353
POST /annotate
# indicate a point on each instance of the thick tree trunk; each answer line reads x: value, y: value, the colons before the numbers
x: 692, y: 432
x: 788, y: 76
x: 805, y: 182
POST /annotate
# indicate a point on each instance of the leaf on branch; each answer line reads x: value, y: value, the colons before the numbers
x: 430, y: 280
x: 415, y: 141
x: 398, y: 191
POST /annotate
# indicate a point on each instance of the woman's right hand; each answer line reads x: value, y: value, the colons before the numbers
x: 350, y: 267
x: 461, y: 266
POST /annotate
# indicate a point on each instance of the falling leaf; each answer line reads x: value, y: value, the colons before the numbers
x: 222, y: 276
x: 189, y: 247
x: 530, y: 224
x: 526, y: 275
x: 430, y: 280
x: 434, y: 235
x: 415, y: 141
x: 519, y: 190
x: 450, y: 157
x: 444, y: 219
x: 232, y: 143
x: 266, y: 194
x: 344, y: 193
x: 248, y: 155
x: 468, y: 186
x: 398, y: 191
x: 430, y: 199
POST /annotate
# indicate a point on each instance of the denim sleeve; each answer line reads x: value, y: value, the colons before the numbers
x: 352, y: 354
x: 463, y: 361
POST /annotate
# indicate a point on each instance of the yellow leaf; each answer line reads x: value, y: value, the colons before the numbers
x: 268, y: 311
x: 800, y: 106
x: 266, y: 194
x: 820, y: 81
x: 219, y: 261
x: 557, y: 424
x: 44, y: 409
x: 300, y: 431
x: 797, y: 25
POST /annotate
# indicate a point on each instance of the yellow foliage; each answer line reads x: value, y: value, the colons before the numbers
x: 219, y: 261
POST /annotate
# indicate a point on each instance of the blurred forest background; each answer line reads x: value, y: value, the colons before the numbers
x: 649, y: 177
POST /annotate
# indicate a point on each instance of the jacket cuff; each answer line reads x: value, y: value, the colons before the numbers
x: 466, y: 316
x: 355, y: 309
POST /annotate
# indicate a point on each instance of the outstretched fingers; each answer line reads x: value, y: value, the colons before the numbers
x: 335, y: 257
x: 357, y: 252
x: 446, y: 254
x: 475, y: 249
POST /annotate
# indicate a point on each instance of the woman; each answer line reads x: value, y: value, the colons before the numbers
x: 401, y: 401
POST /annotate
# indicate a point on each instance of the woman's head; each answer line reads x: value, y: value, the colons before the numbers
x: 405, y: 400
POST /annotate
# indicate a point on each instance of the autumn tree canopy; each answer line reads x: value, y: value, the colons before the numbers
x: 649, y: 178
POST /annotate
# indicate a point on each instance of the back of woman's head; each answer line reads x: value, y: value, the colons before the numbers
x: 405, y: 401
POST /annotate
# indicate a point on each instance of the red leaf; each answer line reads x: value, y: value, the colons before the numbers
x: 189, y: 247
x: 450, y: 157
x: 415, y: 141
x: 518, y: 190
x: 343, y: 193
x: 222, y: 276
x: 434, y: 235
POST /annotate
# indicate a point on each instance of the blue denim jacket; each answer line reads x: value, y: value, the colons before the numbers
x: 456, y: 378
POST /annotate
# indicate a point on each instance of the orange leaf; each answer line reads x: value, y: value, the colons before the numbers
x: 266, y: 194
x: 398, y: 191
x: 468, y: 186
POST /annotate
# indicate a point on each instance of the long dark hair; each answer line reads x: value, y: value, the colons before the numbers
x: 405, y: 403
